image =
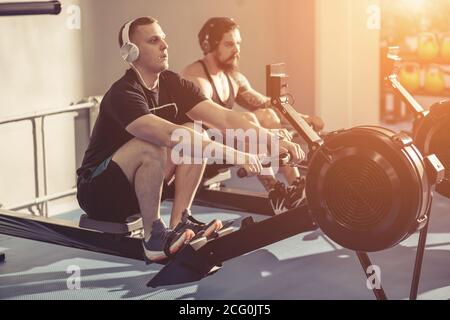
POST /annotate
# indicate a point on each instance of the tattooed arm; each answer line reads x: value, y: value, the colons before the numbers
x: 252, y: 100
x: 248, y: 97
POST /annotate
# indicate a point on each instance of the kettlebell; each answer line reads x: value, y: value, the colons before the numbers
x: 409, y: 76
x: 434, y: 79
x: 428, y: 47
x: 445, y: 47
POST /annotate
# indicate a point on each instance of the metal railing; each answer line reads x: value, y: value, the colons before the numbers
x: 42, y: 198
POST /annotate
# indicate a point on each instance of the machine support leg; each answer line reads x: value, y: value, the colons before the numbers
x: 366, y: 263
x: 419, y: 261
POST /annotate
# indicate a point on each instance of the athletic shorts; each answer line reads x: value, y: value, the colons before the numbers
x: 105, y: 193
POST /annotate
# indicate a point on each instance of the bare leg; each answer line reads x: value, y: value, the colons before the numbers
x: 291, y: 174
x: 187, y: 181
x: 145, y: 166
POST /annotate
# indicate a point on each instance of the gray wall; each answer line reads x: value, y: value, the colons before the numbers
x: 40, y: 68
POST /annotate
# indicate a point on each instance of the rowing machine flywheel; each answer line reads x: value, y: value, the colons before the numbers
x: 368, y: 188
x: 432, y: 136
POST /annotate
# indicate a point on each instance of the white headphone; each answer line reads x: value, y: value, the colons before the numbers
x: 129, y: 51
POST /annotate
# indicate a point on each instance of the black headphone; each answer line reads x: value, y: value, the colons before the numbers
x: 212, y: 32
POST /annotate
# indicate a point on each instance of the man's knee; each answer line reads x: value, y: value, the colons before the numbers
x: 151, y: 153
x: 146, y: 152
x: 136, y: 154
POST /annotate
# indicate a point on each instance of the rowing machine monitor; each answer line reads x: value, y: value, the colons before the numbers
x: 277, y: 90
x: 277, y: 80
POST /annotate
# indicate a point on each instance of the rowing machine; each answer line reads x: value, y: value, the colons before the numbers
x: 117, y: 239
x: 430, y: 128
x: 203, y: 256
x: 367, y: 189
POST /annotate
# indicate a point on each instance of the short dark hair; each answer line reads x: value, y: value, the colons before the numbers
x: 137, y: 22
x: 213, y: 30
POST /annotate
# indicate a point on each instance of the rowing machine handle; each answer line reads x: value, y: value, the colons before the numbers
x: 283, y: 159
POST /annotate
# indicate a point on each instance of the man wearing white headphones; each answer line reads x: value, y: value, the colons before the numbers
x: 127, y: 168
x: 219, y: 79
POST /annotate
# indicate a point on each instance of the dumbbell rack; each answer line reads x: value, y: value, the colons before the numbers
x: 397, y: 111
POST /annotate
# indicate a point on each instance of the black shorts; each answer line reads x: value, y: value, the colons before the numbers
x: 105, y: 193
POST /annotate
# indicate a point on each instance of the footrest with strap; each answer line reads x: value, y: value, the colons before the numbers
x: 203, y: 256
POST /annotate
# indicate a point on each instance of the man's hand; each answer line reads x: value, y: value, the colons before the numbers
x: 316, y: 122
x: 252, y: 165
x: 285, y: 134
x: 298, y: 155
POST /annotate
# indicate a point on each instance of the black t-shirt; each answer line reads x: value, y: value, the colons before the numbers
x: 128, y: 100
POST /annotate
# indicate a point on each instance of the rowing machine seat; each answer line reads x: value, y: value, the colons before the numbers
x: 133, y: 223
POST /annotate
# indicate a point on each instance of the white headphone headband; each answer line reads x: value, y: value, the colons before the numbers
x: 129, y: 51
x: 126, y: 32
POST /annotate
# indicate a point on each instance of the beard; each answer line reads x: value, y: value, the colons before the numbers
x: 229, y: 64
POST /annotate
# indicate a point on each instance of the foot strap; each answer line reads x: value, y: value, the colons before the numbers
x: 170, y: 239
x: 193, y: 220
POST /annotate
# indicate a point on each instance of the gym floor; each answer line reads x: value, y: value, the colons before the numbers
x: 307, y: 266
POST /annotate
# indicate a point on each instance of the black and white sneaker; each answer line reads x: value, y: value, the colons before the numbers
x: 278, y: 198
x: 284, y: 198
x: 296, y: 193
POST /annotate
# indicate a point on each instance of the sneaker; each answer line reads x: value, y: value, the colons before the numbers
x: 284, y: 198
x: 296, y: 193
x: 188, y: 222
x: 278, y: 198
x: 164, y: 243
